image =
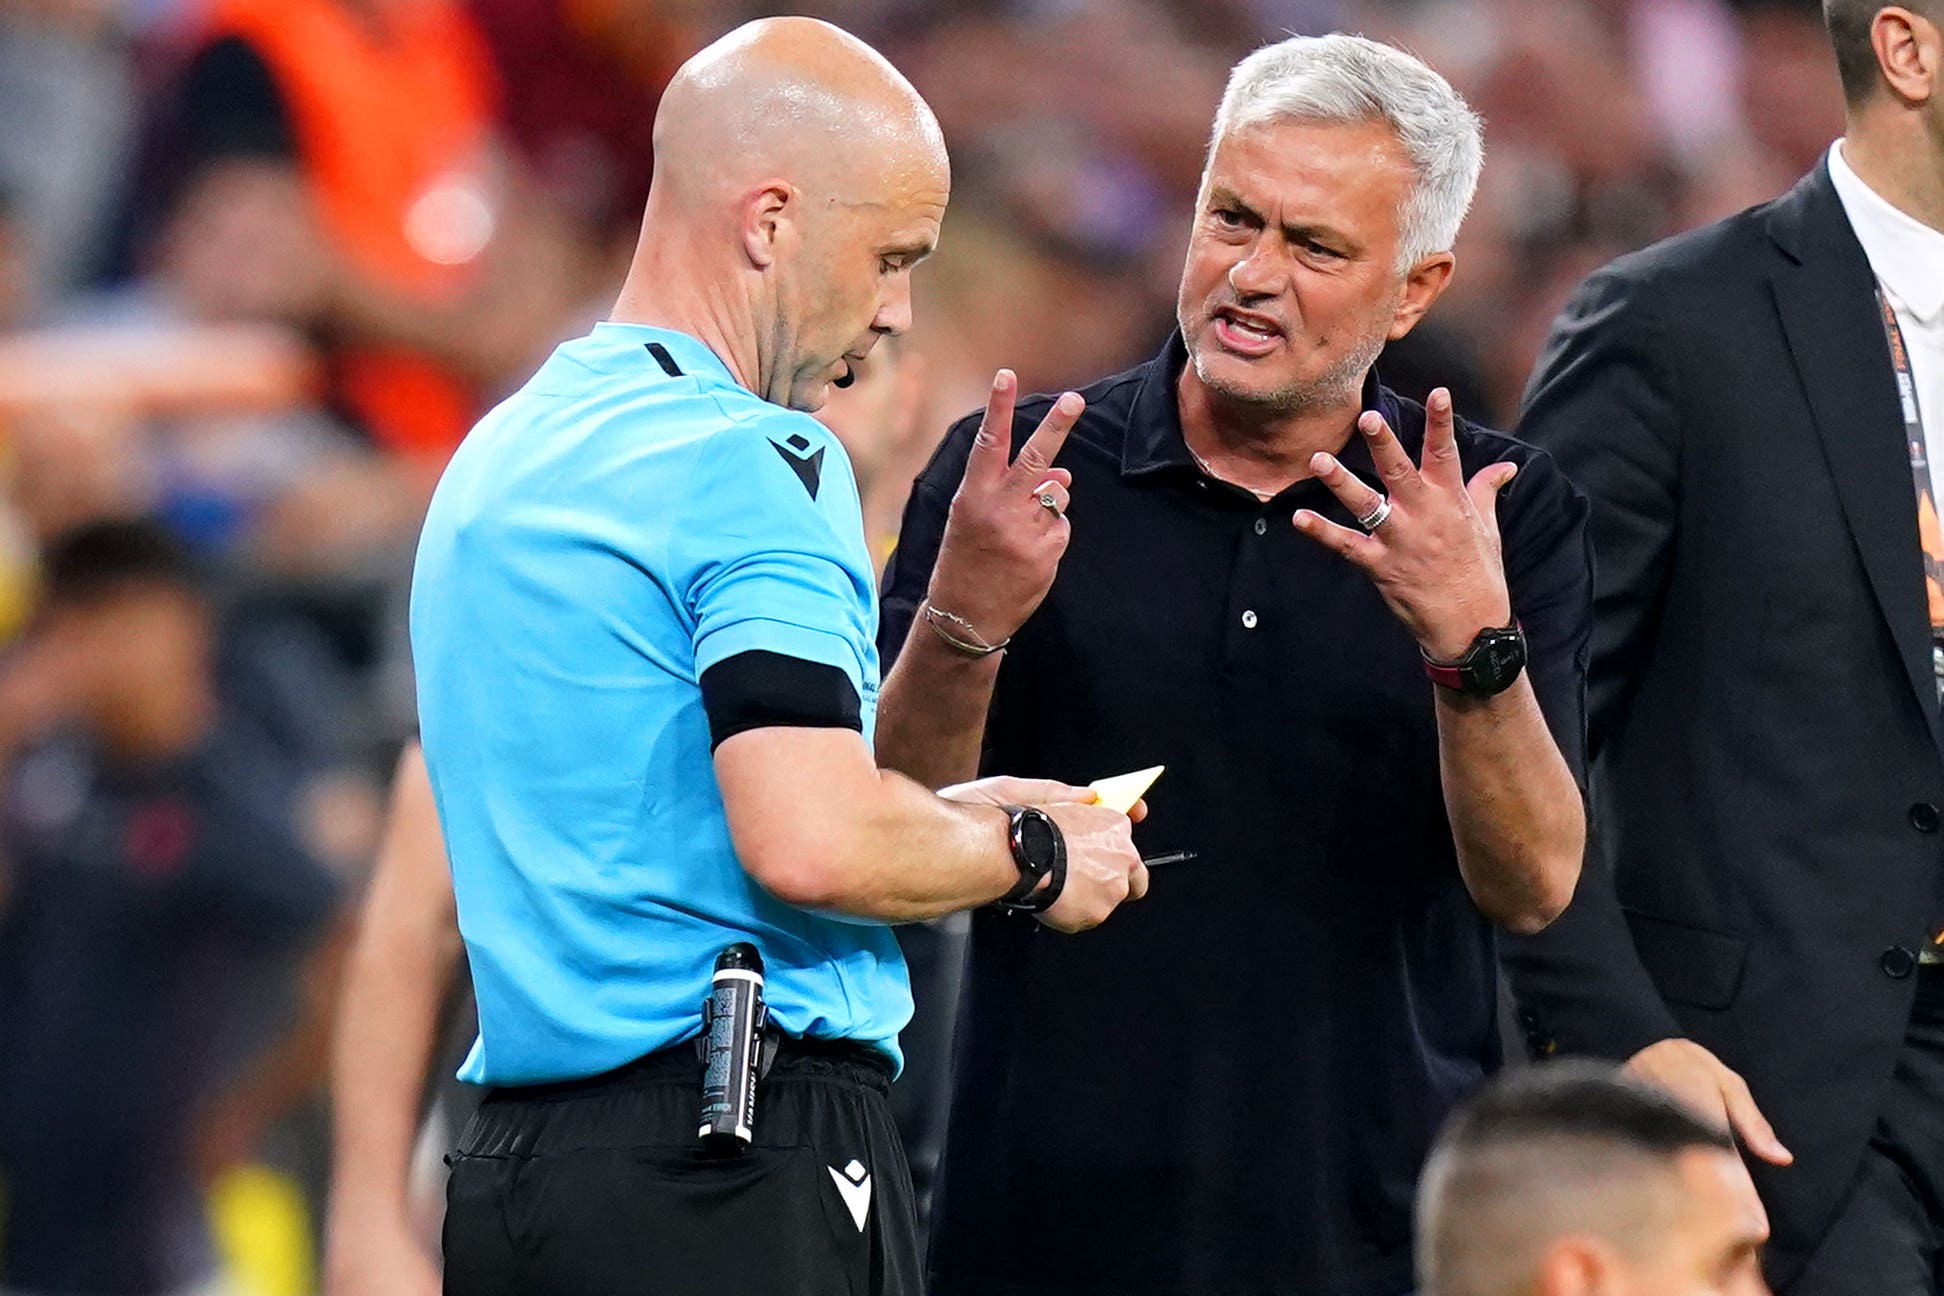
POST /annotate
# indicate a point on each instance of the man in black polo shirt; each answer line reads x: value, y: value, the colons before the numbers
x: 1231, y: 1090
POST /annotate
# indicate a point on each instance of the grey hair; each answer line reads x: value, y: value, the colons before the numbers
x: 1342, y: 78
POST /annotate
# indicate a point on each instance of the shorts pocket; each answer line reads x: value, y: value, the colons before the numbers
x: 647, y: 1221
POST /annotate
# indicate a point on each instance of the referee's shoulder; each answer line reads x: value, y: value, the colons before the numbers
x: 750, y: 426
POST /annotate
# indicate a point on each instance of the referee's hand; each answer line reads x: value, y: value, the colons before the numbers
x: 1103, y: 868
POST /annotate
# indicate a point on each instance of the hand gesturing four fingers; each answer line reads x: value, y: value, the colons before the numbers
x: 1432, y: 544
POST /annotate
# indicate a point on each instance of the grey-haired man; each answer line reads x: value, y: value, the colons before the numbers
x: 1232, y: 1091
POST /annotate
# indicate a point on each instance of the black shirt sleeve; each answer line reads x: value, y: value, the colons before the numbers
x: 1549, y: 575
x: 1598, y: 402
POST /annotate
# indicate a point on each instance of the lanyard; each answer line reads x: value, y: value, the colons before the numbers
x: 1929, y: 534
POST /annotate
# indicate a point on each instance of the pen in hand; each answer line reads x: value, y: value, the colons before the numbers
x: 1172, y: 857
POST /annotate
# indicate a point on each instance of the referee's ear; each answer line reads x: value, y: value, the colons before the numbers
x: 769, y: 229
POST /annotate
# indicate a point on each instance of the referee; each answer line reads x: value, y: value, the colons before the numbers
x: 643, y: 618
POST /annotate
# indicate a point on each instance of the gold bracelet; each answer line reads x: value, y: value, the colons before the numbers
x: 975, y: 646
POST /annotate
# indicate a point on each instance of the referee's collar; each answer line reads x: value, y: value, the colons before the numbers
x: 690, y: 355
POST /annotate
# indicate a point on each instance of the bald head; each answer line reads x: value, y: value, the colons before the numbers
x: 793, y: 98
x: 798, y: 180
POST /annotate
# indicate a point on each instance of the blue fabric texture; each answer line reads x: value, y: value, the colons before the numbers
x: 601, y: 538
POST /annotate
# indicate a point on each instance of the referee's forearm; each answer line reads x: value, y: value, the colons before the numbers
x: 932, y: 711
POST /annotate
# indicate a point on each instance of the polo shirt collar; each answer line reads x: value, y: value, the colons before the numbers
x: 691, y: 356
x: 1156, y: 443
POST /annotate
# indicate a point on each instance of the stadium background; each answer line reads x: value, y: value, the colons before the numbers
x: 186, y: 299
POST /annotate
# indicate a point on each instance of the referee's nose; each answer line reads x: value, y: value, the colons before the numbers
x: 894, y: 311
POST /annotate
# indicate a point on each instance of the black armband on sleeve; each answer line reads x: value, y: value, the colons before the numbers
x: 760, y: 690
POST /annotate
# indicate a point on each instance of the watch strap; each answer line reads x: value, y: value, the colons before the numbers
x: 1028, y: 895
x: 1461, y: 675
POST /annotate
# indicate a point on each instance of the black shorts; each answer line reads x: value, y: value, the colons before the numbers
x: 599, y: 1188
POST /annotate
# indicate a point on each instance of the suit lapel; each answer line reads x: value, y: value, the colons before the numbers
x: 1828, y: 309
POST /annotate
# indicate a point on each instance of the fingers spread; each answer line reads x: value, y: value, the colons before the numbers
x: 1353, y: 491
x: 1441, y: 442
x: 1353, y: 545
x: 1393, y: 464
x: 1037, y: 455
x: 993, y: 445
x: 1485, y: 486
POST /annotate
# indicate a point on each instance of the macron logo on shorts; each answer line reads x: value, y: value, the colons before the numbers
x: 854, y: 1186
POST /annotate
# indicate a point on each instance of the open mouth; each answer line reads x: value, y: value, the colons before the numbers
x: 847, y: 377
x: 1246, y: 332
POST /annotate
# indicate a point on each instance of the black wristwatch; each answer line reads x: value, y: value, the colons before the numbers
x: 1040, y: 852
x: 1489, y: 666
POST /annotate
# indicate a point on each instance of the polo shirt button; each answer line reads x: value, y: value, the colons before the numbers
x: 1897, y: 962
x: 1249, y: 619
x: 1923, y: 817
x: 1262, y: 526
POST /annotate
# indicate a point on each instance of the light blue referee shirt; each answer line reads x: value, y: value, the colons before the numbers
x: 604, y: 536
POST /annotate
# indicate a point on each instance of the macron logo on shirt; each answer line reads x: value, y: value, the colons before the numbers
x: 808, y: 468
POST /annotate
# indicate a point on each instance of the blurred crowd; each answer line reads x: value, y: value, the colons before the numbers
x: 263, y: 261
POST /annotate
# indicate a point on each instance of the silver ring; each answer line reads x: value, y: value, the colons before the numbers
x: 1377, y: 515
x: 1051, y: 503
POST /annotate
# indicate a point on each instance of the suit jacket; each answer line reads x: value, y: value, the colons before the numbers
x: 1764, y: 729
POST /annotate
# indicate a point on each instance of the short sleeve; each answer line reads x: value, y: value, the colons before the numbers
x: 768, y: 553
x: 1549, y: 574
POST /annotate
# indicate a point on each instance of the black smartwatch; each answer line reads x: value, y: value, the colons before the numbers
x: 1040, y: 852
x: 1489, y: 666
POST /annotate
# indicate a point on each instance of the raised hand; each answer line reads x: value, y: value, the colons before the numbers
x: 1434, y: 551
x: 1008, y: 528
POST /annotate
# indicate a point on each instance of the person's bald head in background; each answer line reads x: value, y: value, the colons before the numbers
x: 798, y: 179
x: 1569, y: 1180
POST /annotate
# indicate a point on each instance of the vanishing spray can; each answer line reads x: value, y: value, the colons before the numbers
x: 732, y: 1025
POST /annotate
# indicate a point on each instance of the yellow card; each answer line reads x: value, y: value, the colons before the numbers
x: 1122, y: 790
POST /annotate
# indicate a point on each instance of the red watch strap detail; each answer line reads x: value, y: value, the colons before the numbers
x: 1452, y: 677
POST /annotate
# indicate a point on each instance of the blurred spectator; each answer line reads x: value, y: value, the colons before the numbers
x: 15, y: 291
x: 582, y: 79
x: 68, y: 112
x: 157, y: 897
x: 431, y: 274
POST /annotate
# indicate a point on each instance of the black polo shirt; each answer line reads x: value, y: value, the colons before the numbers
x: 1229, y: 1087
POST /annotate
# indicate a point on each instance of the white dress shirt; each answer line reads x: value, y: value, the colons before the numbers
x: 1908, y: 258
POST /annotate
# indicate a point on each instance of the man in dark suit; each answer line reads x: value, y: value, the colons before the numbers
x: 1763, y: 894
